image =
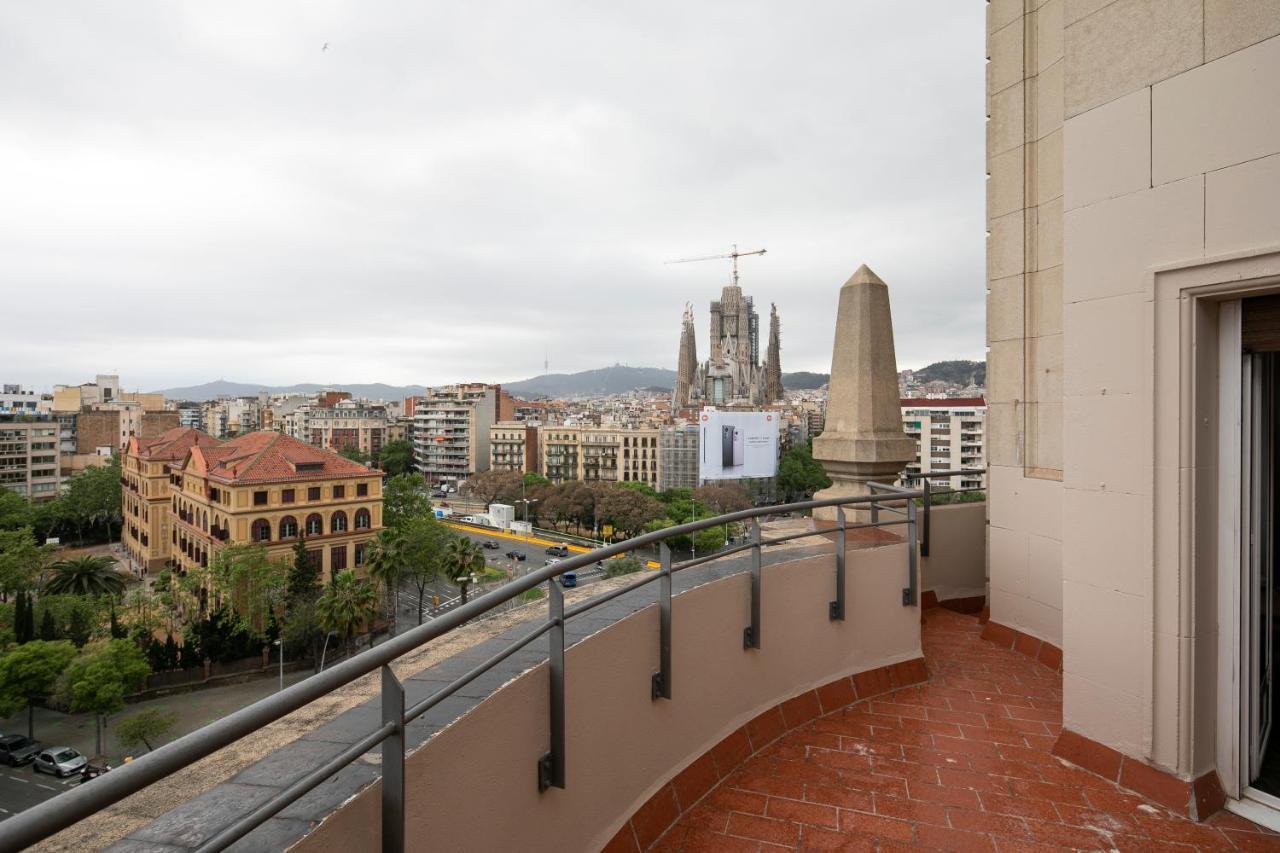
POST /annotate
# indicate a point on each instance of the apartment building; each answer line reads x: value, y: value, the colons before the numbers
x: 600, y: 454
x: 347, y: 423
x: 16, y: 400
x: 678, y: 457
x: 105, y: 428
x: 950, y: 435
x: 145, y: 504
x: 29, y: 455
x: 272, y: 489
x: 451, y: 432
x: 513, y: 446
x: 231, y: 417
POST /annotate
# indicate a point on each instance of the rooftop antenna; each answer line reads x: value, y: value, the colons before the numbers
x: 735, y: 254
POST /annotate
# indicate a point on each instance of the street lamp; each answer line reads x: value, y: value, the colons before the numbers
x: 281, y: 645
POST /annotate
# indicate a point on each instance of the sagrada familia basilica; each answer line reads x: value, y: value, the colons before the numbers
x: 732, y: 375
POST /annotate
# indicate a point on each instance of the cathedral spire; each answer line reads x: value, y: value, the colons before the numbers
x: 773, y: 359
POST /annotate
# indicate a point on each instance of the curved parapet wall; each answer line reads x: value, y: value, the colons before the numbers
x: 473, y: 786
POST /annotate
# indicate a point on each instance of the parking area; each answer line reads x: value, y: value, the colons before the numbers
x: 22, y: 787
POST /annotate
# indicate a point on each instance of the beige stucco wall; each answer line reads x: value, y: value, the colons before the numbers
x: 957, y: 563
x: 473, y: 787
x: 1170, y: 154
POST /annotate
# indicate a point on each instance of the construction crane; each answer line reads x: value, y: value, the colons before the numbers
x: 735, y: 254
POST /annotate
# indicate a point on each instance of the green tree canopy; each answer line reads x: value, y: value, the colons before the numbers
x: 145, y: 727
x: 15, y: 511
x: 533, y: 478
x: 21, y: 560
x: 462, y: 559
x: 354, y: 453
x: 800, y: 475
x: 253, y: 587
x: 396, y: 457
x: 403, y: 498
x: 304, y: 576
x: 85, y: 575
x: 494, y: 486
x: 422, y: 550
x: 347, y: 604
x: 30, y: 671
x: 104, y: 673
x: 92, y: 500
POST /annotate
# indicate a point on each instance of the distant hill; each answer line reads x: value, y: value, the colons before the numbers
x: 955, y: 372
x: 223, y: 388
x: 804, y: 380
x: 618, y: 379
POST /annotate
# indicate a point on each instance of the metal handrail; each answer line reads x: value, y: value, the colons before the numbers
x: 929, y: 492
x: 51, y: 816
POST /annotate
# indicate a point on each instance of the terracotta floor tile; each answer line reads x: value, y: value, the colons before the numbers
x: 961, y: 762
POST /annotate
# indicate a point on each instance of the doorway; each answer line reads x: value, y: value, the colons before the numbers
x: 1259, y: 374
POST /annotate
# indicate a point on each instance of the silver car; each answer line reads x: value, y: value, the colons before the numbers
x: 60, y: 761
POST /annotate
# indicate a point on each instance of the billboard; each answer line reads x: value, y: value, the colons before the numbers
x: 736, y: 445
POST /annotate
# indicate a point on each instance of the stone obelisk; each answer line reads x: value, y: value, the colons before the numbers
x: 863, y: 439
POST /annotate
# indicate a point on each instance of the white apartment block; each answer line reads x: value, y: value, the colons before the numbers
x: 29, y: 456
x: 950, y: 435
x: 451, y: 432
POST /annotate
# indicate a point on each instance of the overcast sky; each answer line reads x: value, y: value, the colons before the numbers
x: 198, y: 190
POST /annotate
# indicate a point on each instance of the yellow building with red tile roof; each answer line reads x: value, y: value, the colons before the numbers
x: 144, y: 483
x: 259, y: 488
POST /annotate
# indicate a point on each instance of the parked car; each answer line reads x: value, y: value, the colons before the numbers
x: 490, y: 544
x: 60, y: 761
x: 558, y: 550
x: 17, y: 750
x: 515, y: 555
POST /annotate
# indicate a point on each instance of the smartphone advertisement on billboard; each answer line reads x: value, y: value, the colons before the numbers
x: 736, y: 445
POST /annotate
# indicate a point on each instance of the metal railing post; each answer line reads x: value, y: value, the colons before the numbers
x: 662, y: 678
x: 836, y: 608
x: 909, y: 595
x: 874, y: 506
x: 551, y: 767
x: 392, y: 764
x: 927, y: 499
x: 751, y: 634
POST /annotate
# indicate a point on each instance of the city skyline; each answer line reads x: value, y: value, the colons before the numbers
x: 430, y: 200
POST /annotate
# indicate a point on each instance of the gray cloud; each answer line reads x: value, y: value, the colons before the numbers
x: 196, y: 190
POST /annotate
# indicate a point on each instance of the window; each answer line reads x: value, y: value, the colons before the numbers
x: 261, y: 531
x: 288, y: 527
x: 360, y: 554
x: 259, y: 498
x: 362, y: 490
x: 362, y: 520
x: 337, y: 558
x: 338, y: 522
x: 286, y: 496
x: 339, y: 491
x: 315, y: 559
x: 315, y: 525
x: 313, y: 493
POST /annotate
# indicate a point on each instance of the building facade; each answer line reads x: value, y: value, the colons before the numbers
x: 1133, y: 206
x: 348, y: 424
x: 513, y: 446
x: 600, y: 454
x: 732, y: 373
x: 451, y: 432
x: 29, y: 456
x: 16, y: 400
x: 270, y: 489
x: 145, y: 504
x: 678, y: 457
x: 950, y: 435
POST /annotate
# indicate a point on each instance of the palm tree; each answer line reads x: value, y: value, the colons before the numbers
x: 462, y: 558
x: 347, y: 605
x: 386, y: 560
x: 85, y: 575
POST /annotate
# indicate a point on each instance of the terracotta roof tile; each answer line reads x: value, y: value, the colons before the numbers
x: 268, y: 457
x: 170, y: 445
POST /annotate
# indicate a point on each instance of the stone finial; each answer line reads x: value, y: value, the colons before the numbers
x: 863, y: 439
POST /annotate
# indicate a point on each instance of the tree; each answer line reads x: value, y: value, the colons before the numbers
x: 396, y: 457
x: 101, y: 676
x: 627, y: 509
x: 423, y: 544
x: 15, y: 511
x: 354, y: 453
x: 145, y: 727
x: 403, y: 498
x: 347, y: 605
x: 533, y: 479
x: 84, y: 575
x: 494, y: 486
x: 21, y: 560
x: 304, y: 575
x: 723, y: 499
x: 463, y: 558
x: 30, y: 671
x: 799, y: 474
x: 252, y: 586
x: 386, y: 561
x: 619, y: 566
x: 48, y: 631
x: 92, y: 500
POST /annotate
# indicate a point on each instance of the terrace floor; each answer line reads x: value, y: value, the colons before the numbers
x: 961, y: 762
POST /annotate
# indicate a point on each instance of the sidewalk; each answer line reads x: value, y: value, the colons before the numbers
x: 194, y: 709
